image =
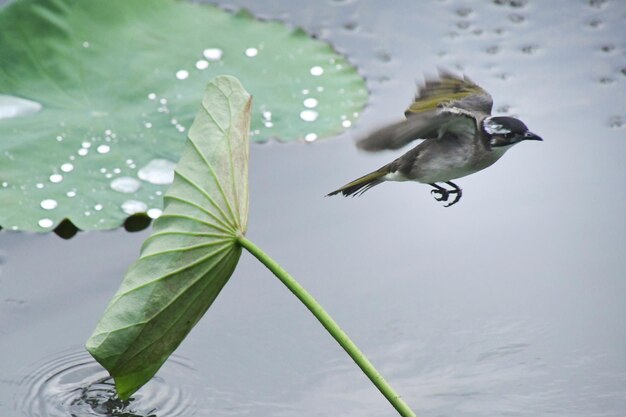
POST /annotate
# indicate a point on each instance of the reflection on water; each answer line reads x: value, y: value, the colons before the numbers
x: 72, y: 383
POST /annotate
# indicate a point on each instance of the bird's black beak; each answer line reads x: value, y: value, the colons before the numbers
x: 531, y: 136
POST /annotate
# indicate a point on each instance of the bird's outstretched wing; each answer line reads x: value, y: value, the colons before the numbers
x: 446, y: 104
x: 450, y: 91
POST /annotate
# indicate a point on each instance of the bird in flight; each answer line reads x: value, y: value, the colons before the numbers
x: 461, y: 137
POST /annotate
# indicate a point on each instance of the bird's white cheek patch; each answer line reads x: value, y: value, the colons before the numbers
x: 494, y: 128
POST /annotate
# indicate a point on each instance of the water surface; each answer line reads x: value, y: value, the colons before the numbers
x: 510, y: 303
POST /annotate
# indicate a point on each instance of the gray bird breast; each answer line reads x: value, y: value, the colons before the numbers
x: 443, y: 160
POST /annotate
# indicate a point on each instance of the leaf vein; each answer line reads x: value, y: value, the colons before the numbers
x: 208, y: 197
x: 217, y: 181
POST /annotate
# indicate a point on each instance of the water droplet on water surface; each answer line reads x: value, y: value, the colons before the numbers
x: 616, y: 122
x: 11, y: 106
x: 125, y: 184
x: 158, y: 171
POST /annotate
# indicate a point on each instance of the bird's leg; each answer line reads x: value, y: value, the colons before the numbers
x: 457, y: 190
x: 442, y: 193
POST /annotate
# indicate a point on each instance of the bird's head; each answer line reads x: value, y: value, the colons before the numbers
x: 506, y: 131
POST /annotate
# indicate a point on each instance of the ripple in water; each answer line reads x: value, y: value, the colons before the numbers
x: 73, y: 384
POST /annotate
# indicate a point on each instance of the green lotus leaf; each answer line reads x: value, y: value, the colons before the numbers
x: 96, y: 98
x: 193, y: 249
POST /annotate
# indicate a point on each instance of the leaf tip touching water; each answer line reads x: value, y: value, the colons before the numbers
x: 193, y: 249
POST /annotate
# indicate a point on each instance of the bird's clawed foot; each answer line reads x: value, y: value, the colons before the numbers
x: 443, y: 194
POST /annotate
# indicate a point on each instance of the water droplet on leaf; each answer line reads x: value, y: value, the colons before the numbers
x: 125, y: 184
x: 48, y: 204
x: 133, y: 206
x: 212, y: 54
x: 158, y: 171
x: 309, y: 115
x: 310, y: 102
x: 317, y: 71
x: 202, y: 64
x: 67, y: 167
x: 45, y: 223
x: 154, y: 213
x: 11, y: 106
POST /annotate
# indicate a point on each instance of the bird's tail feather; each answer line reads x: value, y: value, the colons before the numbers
x: 361, y: 185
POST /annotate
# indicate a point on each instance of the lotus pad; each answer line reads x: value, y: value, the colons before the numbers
x: 96, y: 98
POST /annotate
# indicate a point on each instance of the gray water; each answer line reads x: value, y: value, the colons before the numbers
x: 510, y: 303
